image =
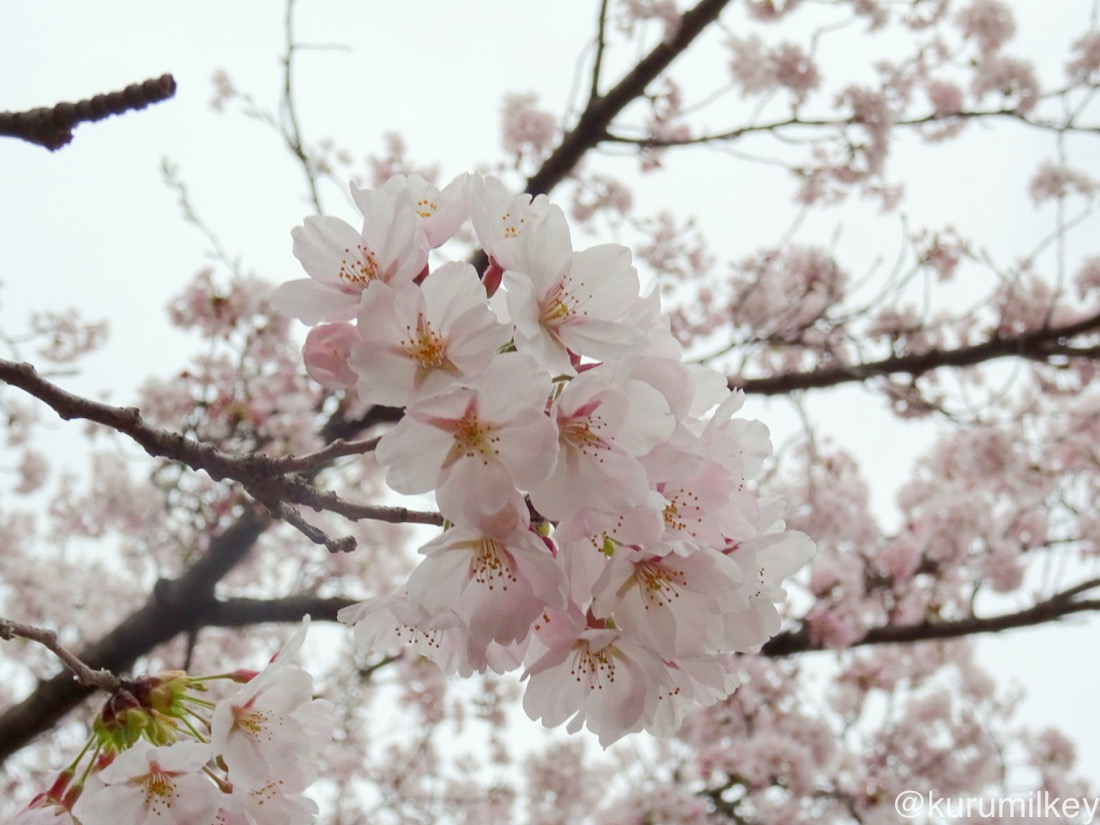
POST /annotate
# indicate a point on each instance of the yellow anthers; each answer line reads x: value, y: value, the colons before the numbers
x: 512, y: 230
x: 594, y: 666
x: 361, y: 268
x: 658, y: 584
x: 425, y: 346
x: 471, y: 437
x: 492, y: 565
x: 426, y: 208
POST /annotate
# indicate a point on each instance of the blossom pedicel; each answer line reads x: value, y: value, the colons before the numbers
x: 600, y: 531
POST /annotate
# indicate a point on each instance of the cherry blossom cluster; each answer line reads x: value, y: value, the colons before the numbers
x: 599, y: 531
x: 162, y: 752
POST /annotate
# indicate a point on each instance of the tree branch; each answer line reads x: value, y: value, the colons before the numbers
x: 1036, y: 345
x: 102, y: 679
x: 1049, y: 610
x: 261, y: 475
x: 829, y: 123
x: 52, y: 127
x: 591, y: 128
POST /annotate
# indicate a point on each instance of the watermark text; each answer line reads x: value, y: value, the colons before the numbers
x: 930, y: 807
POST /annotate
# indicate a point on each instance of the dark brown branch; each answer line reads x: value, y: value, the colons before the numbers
x: 601, y: 47
x: 261, y: 475
x: 337, y: 449
x: 592, y: 126
x: 52, y: 127
x: 241, y: 612
x: 291, y: 516
x: 1049, y: 610
x: 1037, y: 345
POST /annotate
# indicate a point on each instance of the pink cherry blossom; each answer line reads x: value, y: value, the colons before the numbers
x: 499, y: 215
x: 272, y: 726
x: 278, y: 802
x: 395, y: 622
x: 563, y: 302
x: 602, y: 680
x: 416, y: 341
x: 342, y: 261
x: 147, y: 784
x: 326, y: 352
x: 594, y: 470
x: 496, y: 581
x: 673, y: 604
x: 439, y: 213
x: 476, y: 447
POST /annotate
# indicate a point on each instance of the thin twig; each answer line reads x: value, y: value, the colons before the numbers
x: 291, y: 130
x: 337, y: 449
x: 601, y: 46
x: 102, y: 679
x: 315, y: 534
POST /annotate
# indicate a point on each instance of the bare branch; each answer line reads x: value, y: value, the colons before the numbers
x: 259, y: 474
x: 1036, y: 345
x: 591, y: 128
x: 53, y: 126
x: 841, y: 123
x: 315, y: 534
x: 601, y: 47
x: 102, y: 679
x: 337, y: 449
x: 1049, y: 610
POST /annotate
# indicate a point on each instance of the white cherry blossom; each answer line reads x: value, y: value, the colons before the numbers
x: 563, y: 302
x: 147, y: 784
x: 416, y: 341
x: 476, y: 447
x: 272, y: 725
x: 342, y: 261
x: 439, y: 213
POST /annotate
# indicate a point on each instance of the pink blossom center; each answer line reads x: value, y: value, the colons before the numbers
x: 425, y: 346
x: 492, y: 565
x: 471, y: 438
x: 581, y: 430
x: 681, y: 508
x: 425, y: 208
x: 659, y: 585
x: 359, y: 268
x: 593, y: 667
x: 255, y: 723
x: 160, y: 790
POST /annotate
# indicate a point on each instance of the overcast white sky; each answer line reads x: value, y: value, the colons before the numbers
x: 93, y: 226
